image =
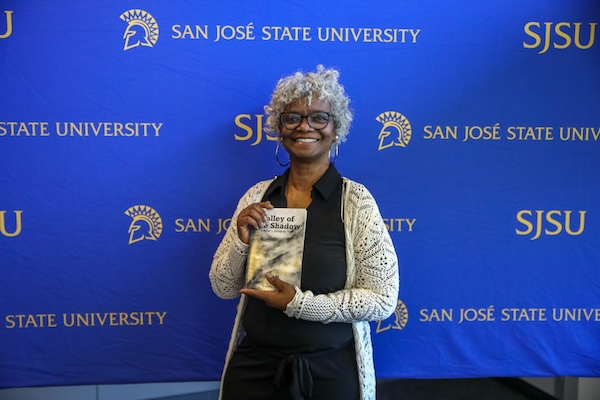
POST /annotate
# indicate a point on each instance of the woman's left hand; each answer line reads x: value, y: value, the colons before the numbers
x: 278, y: 298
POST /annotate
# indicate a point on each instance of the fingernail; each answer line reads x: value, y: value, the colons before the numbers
x: 269, y: 275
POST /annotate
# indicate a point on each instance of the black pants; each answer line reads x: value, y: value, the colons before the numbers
x: 252, y: 370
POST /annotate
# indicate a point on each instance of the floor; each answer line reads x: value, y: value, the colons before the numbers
x: 436, y: 389
x: 459, y: 389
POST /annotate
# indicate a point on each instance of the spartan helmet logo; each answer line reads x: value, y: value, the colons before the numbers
x: 146, y: 224
x: 142, y: 29
x: 396, y: 130
x: 400, y: 319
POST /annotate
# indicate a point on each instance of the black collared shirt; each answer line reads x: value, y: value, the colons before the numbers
x: 323, y: 271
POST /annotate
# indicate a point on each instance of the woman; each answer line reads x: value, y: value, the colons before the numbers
x: 313, y: 341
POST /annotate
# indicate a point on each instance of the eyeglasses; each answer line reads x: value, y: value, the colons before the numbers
x: 316, y: 120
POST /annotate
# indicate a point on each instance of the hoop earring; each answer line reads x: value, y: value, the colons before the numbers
x: 337, y: 152
x: 277, y: 155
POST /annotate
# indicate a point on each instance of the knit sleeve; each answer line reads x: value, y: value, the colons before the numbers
x: 373, y: 294
x: 227, y: 271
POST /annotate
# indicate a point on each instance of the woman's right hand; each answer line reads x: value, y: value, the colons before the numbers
x: 253, y: 216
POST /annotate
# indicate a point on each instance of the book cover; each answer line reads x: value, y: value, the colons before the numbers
x: 277, y: 247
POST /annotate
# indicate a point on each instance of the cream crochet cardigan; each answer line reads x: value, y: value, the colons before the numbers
x: 371, y: 289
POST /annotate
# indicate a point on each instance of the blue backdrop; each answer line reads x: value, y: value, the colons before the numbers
x: 128, y: 131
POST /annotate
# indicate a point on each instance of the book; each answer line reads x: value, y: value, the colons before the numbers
x: 277, y: 247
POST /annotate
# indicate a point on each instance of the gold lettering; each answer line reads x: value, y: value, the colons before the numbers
x: 581, y: 223
x: 552, y: 217
x: 434, y: 315
x: 414, y: 33
x: 135, y: 318
x: 249, y: 130
x: 101, y: 318
x: 562, y: 35
x: 157, y: 128
x: 176, y: 32
x: 190, y: 226
x: 554, y: 222
x: 562, y: 30
x: 18, y: 224
x: 259, y: 129
x: 525, y: 222
x: 188, y: 32
x: 524, y: 314
x: 199, y: 225
x: 30, y: 321
x: 10, y: 322
x: 123, y: 318
x: 202, y: 31
x: 576, y: 314
x: 441, y: 132
x: 203, y: 225
x: 223, y: 225
x: 534, y: 35
x: 578, y: 32
x: 243, y: 126
x: 538, y: 231
x: 71, y: 323
x: 547, y: 39
x: 83, y: 320
x: 58, y: 130
x: 24, y: 128
x: 161, y: 317
x: 396, y: 224
x: 9, y: 25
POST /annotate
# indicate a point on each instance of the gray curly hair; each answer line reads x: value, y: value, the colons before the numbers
x: 322, y: 85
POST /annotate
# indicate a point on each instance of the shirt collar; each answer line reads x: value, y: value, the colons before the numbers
x: 324, y: 186
x: 278, y: 185
x: 328, y: 182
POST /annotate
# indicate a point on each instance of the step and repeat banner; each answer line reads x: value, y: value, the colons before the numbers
x: 129, y: 130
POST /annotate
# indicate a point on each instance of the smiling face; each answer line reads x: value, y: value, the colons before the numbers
x: 304, y: 143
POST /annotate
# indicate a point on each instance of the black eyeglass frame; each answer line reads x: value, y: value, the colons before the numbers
x: 329, y: 118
